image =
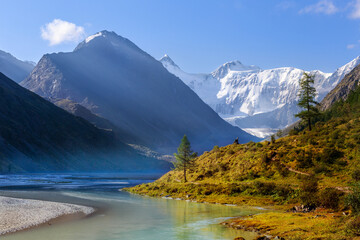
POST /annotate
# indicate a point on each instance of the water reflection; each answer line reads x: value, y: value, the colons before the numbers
x: 121, y: 215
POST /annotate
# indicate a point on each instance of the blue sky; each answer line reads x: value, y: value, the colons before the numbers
x: 199, y: 35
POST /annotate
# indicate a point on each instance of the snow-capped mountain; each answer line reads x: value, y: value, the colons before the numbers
x: 115, y: 79
x: 252, y: 98
x: 14, y: 68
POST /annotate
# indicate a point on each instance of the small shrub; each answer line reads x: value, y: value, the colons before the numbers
x: 252, y: 175
x: 353, y: 199
x: 353, y: 227
x: 356, y: 175
x: 309, y: 192
x: 268, y: 173
x: 284, y: 191
x: 282, y: 170
x: 265, y: 159
x: 216, y: 148
x: 223, y: 167
x: 322, y: 168
x: 259, y: 145
x: 330, y: 155
x: 330, y: 198
x: 264, y: 188
x: 304, y: 160
x: 293, y: 132
x: 230, y: 152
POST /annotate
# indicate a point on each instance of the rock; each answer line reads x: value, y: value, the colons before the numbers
x: 342, y: 90
x: 302, y: 208
x: 262, y: 238
x: 278, y: 238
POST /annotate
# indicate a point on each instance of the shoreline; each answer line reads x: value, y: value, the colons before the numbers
x: 20, y: 214
x: 276, y: 222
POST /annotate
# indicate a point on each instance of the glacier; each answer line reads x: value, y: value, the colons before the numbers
x: 252, y: 98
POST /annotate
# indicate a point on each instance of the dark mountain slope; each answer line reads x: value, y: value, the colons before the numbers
x: 118, y: 81
x: 35, y: 135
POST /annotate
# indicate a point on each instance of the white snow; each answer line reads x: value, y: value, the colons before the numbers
x: 19, y: 214
x: 260, y: 132
x: 88, y: 39
x: 235, y: 90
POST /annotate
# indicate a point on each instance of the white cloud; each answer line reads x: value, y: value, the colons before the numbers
x: 351, y: 46
x: 355, y: 13
x: 59, y: 31
x: 324, y: 6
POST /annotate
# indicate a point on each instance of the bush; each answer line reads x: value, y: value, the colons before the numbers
x: 284, y: 191
x: 309, y: 192
x: 265, y: 159
x: 330, y: 155
x: 356, y: 175
x: 259, y: 145
x: 282, y: 170
x: 353, y: 199
x: 293, y: 132
x: 330, y: 198
x: 305, y: 159
x: 264, y: 188
x: 223, y: 167
x: 353, y: 226
x: 230, y: 152
x: 322, y: 168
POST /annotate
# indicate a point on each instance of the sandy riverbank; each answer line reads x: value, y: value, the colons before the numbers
x: 20, y: 214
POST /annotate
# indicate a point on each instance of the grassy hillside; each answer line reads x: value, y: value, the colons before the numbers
x: 312, y: 168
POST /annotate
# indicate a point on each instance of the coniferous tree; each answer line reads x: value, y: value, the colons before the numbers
x: 307, y: 101
x: 184, y: 157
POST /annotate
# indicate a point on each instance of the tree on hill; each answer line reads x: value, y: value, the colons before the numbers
x: 184, y: 157
x: 307, y: 101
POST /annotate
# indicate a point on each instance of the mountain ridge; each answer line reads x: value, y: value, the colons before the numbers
x: 118, y: 81
x: 247, y: 96
x: 14, y: 68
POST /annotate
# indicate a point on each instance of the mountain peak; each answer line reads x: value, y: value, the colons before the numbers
x: 167, y: 61
x: 110, y: 39
x: 103, y: 33
x: 235, y: 65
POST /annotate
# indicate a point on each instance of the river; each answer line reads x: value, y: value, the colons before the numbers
x: 120, y: 215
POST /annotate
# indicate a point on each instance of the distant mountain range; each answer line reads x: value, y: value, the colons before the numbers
x: 258, y: 101
x: 14, y: 68
x: 119, y: 82
x: 37, y: 136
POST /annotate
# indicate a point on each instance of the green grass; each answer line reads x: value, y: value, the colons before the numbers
x: 272, y: 174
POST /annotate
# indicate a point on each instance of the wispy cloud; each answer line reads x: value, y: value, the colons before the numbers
x: 355, y: 6
x: 323, y: 6
x: 351, y: 46
x: 59, y: 31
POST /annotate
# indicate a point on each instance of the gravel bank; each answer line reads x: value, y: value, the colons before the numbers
x: 19, y: 214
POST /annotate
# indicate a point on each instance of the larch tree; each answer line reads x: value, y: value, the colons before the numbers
x: 307, y: 101
x: 184, y: 157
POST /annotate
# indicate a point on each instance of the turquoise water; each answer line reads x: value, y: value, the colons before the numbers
x: 121, y: 215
